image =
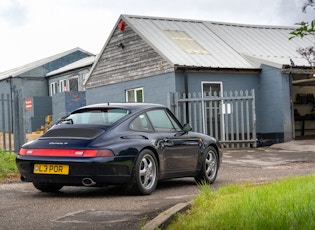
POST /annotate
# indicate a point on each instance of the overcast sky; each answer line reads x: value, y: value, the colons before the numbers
x: 34, y: 29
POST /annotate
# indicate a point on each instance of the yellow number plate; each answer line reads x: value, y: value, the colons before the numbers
x: 51, y: 169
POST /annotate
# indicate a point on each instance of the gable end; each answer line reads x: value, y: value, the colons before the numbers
x: 126, y: 57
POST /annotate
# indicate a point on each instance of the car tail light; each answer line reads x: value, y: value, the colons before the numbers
x: 67, y: 152
x: 98, y: 153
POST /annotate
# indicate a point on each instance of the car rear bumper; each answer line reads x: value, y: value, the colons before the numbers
x: 100, y: 171
x: 78, y: 180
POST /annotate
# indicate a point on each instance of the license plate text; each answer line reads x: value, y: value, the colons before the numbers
x: 51, y: 169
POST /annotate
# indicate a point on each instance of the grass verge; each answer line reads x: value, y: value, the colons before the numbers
x: 8, y: 167
x: 284, y: 204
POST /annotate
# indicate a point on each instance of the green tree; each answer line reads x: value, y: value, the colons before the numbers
x: 306, y: 29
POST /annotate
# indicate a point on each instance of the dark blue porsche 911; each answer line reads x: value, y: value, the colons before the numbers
x: 132, y: 144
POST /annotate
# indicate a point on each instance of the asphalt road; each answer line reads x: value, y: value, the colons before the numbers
x: 23, y: 207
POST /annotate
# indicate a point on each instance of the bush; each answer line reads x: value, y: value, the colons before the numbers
x: 7, y: 165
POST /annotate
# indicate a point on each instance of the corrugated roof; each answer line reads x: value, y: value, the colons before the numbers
x: 229, y: 45
x: 263, y: 44
x: 75, y: 65
x: 22, y: 69
x: 220, y: 54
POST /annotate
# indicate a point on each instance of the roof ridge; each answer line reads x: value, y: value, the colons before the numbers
x: 206, y: 21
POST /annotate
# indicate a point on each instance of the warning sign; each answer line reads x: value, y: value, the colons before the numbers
x: 28, y: 104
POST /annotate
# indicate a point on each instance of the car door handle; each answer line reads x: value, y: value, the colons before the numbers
x: 190, y: 143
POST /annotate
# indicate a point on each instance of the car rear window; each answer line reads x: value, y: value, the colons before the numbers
x: 105, y: 117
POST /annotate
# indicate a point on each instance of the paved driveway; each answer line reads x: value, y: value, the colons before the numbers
x: 264, y: 164
x: 23, y: 207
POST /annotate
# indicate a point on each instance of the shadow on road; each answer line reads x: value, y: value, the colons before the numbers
x: 111, y: 191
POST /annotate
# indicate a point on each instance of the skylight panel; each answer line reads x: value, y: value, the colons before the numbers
x: 185, y: 42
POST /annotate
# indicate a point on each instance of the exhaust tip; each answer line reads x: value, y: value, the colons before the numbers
x: 88, y: 182
x: 23, y: 178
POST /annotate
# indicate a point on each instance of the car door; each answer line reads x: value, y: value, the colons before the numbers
x: 180, y: 150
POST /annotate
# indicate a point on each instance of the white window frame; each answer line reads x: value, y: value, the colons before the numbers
x: 211, y: 82
x: 63, y: 85
x: 53, y: 88
x: 135, y: 90
x: 84, y: 79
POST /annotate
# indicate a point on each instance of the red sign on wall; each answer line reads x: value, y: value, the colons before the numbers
x: 28, y: 104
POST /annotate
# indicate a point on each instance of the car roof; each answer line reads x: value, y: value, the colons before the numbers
x: 127, y: 105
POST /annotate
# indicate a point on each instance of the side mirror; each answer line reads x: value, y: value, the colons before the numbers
x: 187, y: 128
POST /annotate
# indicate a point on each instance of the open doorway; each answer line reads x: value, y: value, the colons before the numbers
x: 303, y: 96
x: 212, y: 121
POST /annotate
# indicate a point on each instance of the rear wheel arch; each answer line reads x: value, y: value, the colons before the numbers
x: 145, y: 172
x: 156, y: 155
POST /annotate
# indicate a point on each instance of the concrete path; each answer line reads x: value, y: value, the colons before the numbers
x: 296, y: 145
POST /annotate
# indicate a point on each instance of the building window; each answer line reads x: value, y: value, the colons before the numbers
x: 134, y: 95
x: 71, y: 84
x: 74, y: 84
x: 53, y: 88
x: 63, y: 86
x: 211, y: 88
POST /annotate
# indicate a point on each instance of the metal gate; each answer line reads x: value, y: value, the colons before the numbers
x: 230, y: 117
x: 10, y: 132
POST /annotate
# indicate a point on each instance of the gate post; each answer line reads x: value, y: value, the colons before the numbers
x: 254, y: 118
x: 170, y: 101
x: 3, y: 122
x: 9, y: 101
x: 19, y: 133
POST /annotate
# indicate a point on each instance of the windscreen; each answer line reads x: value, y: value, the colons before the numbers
x: 106, y: 117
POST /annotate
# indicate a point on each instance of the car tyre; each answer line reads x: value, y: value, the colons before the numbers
x: 209, y: 168
x: 47, y: 187
x: 145, y: 174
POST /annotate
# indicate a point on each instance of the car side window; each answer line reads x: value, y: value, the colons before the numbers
x: 141, y: 123
x: 161, y: 121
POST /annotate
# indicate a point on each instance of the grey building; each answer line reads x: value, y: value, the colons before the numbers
x: 146, y: 58
x: 28, y: 86
x: 66, y: 87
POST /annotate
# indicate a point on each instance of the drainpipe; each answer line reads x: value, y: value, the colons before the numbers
x: 186, y: 92
x: 291, y: 82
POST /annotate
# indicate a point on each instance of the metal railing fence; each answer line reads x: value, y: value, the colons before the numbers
x: 10, y: 130
x: 230, y: 117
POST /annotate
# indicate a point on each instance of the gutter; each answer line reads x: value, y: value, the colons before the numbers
x: 180, y: 68
x: 303, y: 81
